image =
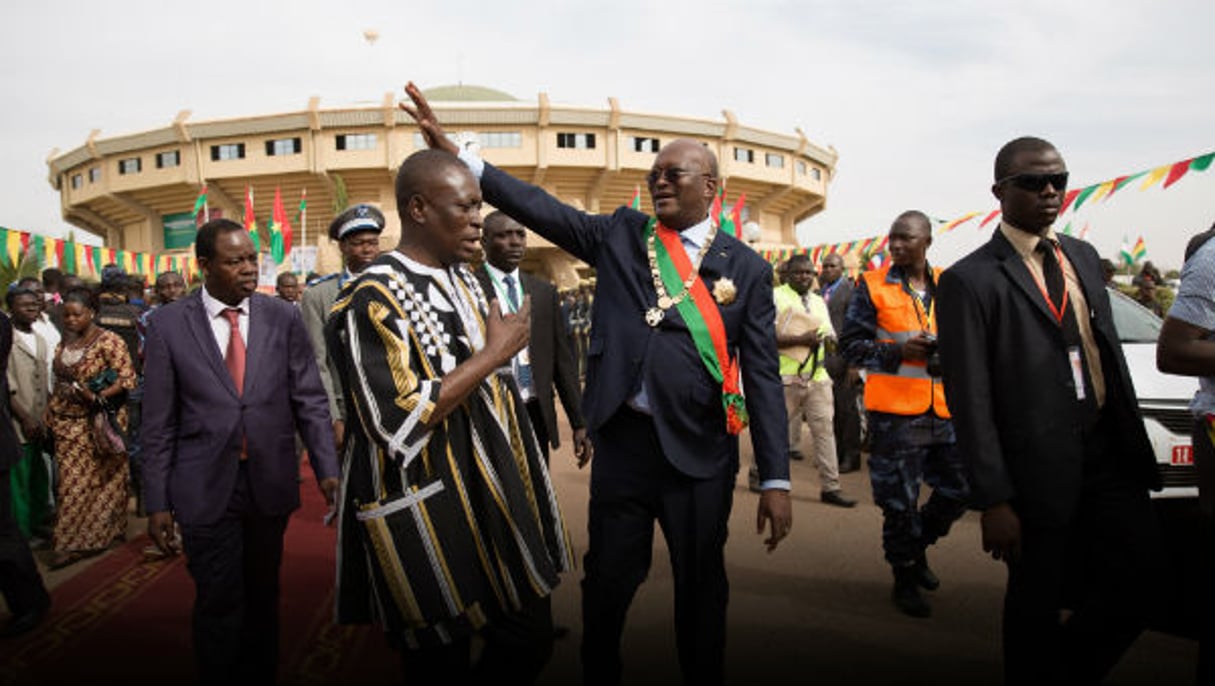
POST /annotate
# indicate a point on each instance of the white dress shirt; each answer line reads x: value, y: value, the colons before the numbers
x: 219, y: 323
x: 523, y: 357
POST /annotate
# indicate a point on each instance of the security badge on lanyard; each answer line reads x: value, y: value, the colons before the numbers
x: 1074, y: 359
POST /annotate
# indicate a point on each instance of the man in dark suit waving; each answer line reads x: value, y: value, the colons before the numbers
x: 230, y: 380
x: 1047, y: 420
x: 547, y: 360
x: 679, y: 309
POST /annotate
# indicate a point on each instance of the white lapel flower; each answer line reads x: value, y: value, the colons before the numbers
x: 724, y: 291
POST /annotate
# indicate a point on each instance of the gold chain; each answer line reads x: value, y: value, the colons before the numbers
x: 665, y: 300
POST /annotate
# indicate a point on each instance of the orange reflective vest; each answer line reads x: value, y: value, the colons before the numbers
x: 900, y: 317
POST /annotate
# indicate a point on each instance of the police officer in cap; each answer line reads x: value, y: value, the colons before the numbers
x: 357, y: 232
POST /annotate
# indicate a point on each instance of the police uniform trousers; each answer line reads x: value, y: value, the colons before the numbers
x: 906, y: 451
x: 632, y: 486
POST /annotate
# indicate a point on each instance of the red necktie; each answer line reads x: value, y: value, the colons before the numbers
x: 235, y: 359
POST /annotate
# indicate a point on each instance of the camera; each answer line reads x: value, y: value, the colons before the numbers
x: 933, y: 364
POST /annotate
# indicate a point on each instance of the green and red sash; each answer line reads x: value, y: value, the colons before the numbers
x: 700, y: 313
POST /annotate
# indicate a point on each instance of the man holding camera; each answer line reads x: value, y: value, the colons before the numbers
x: 803, y: 334
x: 890, y: 331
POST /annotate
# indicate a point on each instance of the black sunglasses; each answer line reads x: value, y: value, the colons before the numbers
x: 1035, y: 183
x: 671, y: 174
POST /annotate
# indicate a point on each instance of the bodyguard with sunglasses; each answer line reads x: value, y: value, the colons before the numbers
x: 1047, y: 420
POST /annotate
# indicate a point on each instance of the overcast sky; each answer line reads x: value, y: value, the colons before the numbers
x: 915, y: 96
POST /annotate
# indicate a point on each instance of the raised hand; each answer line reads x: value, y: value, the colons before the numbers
x: 432, y: 131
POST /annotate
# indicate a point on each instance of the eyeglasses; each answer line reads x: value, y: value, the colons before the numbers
x: 1035, y: 183
x: 671, y: 174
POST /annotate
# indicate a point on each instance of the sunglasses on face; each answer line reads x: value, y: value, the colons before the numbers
x: 1035, y: 183
x: 671, y: 174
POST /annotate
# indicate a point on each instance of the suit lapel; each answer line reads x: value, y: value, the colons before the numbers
x: 714, y: 262
x: 259, y: 338
x: 711, y: 268
x: 1014, y: 267
x: 200, y: 331
x: 1087, y: 281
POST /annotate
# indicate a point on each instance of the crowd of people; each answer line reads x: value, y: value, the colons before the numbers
x: 422, y: 383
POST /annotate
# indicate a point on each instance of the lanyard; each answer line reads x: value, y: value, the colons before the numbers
x: 1059, y: 311
x: 501, y: 288
x: 925, y: 314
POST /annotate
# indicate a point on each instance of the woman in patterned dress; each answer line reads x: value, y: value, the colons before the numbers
x: 92, y: 493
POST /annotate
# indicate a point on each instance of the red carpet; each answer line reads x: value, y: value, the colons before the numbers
x: 126, y: 620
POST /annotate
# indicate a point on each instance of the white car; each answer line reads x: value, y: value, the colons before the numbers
x: 1164, y: 399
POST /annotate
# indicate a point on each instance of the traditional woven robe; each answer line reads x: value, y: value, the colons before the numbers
x: 441, y: 528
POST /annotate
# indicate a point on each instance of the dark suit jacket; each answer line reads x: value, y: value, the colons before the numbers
x: 10, y: 447
x: 549, y: 350
x: 837, y: 307
x: 193, y: 418
x: 1009, y: 384
x: 686, y: 402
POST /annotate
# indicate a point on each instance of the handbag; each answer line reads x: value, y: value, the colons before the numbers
x: 107, y: 435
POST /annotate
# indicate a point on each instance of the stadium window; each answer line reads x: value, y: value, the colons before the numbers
x: 501, y: 139
x: 578, y: 141
x: 355, y: 141
x: 171, y: 158
x: 744, y: 155
x: 94, y: 174
x: 284, y: 146
x: 641, y: 144
x: 801, y: 168
x: 77, y: 181
x: 818, y: 174
x: 228, y: 151
x: 774, y: 160
x: 131, y: 165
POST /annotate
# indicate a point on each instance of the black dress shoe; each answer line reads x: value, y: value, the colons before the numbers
x: 23, y: 624
x: 796, y: 455
x: 560, y: 631
x: 838, y: 499
x: 850, y: 466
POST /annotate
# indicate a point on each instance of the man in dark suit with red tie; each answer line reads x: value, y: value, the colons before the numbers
x: 1047, y: 420
x: 679, y: 309
x: 230, y: 379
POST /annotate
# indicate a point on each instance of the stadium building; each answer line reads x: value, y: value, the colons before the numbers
x: 137, y: 190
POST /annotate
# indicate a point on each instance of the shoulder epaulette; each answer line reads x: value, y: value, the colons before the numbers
x: 323, y: 279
